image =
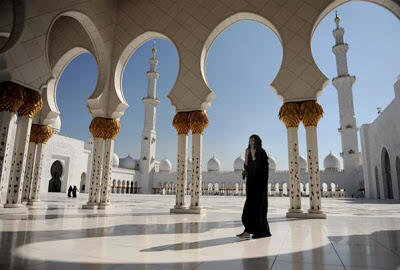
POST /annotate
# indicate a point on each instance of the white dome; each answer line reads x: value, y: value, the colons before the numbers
x: 56, y: 125
x: 115, y: 160
x: 213, y: 164
x: 165, y: 165
x: 127, y: 162
x: 303, y: 163
x: 189, y: 164
x: 331, y: 162
x: 272, y: 163
x: 238, y: 164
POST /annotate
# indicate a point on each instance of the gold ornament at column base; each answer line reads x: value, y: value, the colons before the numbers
x: 290, y: 114
x: 33, y: 103
x: 105, y: 128
x: 40, y: 133
x: 11, y: 97
x: 198, y: 121
x: 312, y: 112
x: 181, y: 123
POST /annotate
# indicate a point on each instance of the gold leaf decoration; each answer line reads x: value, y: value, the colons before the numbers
x: 40, y: 133
x: 33, y: 103
x: 290, y: 114
x: 105, y: 128
x: 198, y: 121
x: 312, y: 112
x: 181, y: 123
x: 11, y: 96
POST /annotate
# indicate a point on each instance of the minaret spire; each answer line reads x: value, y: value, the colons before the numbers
x: 344, y: 83
x: 147, y: 156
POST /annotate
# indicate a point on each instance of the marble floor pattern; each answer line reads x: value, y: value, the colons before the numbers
x: 137, y: 232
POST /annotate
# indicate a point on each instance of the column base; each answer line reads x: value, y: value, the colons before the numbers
x: 294, y: 213
x: 13, y: 205
x: 195, y: 210
x: 32, y: 204
x: 178, y: 210
x: 316, y: 214
x: 306, y: 215
x: 104, y: 205
x: 90, y: 206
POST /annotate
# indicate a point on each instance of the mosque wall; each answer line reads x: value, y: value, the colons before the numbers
x: 382, y: 179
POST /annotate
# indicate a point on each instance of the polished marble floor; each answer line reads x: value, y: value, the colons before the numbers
x: 138, y: 232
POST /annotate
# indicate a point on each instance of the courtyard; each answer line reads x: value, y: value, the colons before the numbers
x: 138, y: 232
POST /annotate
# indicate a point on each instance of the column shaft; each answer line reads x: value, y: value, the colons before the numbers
x: 6, y: 125
x: 106, y: 177
x: 17, y: 172
x: 37, y: 173
x: 294, y: 170
x: 96, y: 173
x: 181, y: 172
x: 30, y: 163
x: 197, y: 149
x: 313, y: 170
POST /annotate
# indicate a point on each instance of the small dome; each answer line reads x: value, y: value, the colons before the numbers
x: 165, y: 165
x: 56, y: 125
x: 272, y: 163
x: 189, y: 164
x: 238, y: 164
x: 331, y: 162
x: 127, y: 162
x: 213, y: 164
x: 115, y: 160
x: 303, y: 163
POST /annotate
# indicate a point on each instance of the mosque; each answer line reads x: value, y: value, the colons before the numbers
x: 37, y: 159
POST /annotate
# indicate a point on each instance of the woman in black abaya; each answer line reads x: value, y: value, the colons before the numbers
x: 254, y: 217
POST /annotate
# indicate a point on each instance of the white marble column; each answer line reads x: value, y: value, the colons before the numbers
x: 294, y: 171
x: 197, y: 147
x: 6, y: 124
x: 290, y: 114
x: 37, y: 174
x: 30, y: 163
x: 312, y: 113
x: 96, y: 174
x: 17, y: 172
x: 181, y: 124
x: 198, y: 121
x: 106, y: 176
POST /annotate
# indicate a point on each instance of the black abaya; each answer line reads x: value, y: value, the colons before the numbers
x: 254, y: 217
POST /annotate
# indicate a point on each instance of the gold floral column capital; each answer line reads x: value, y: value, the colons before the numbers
x: 105, y: 128
x: 33, y: 103
x: 11, y: 97
x: 181, y: 123
x: 198, y: 121
x: 290, y: 114
x: 40, y: 133
x: 312, y: 112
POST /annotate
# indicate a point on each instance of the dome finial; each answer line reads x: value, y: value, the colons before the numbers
x: 337, y: 19
x: 154, y: 50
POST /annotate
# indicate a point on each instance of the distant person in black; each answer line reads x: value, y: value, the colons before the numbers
x: 69, y: 191
x: 254, y: 217
x: 74, y: 190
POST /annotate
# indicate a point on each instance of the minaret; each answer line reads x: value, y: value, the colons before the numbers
x: 343, y: 83
x: 147, y: 156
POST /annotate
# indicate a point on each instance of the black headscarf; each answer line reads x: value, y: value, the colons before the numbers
x: 257, y: 142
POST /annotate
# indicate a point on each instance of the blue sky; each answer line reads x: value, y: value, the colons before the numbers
x: 241, y: 64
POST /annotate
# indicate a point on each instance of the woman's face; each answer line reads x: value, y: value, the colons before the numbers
x: 252, y: 142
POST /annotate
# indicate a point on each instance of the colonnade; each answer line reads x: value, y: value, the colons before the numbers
x: 28, y: 147
x: 309, y: 113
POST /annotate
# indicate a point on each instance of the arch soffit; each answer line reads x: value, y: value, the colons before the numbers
x: 392, y: 5
x: 221, y: 27
x: 126, y: 54
x: 98, y: 50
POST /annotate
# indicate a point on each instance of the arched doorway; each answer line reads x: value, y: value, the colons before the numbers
x: 398, y: 174
x: 386, y: 175
x: 378, y: 190
x: 56, y: 171
x: 83, y: 182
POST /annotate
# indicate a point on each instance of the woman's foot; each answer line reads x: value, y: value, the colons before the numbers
x: 243, y: 235
x: 255, y: 236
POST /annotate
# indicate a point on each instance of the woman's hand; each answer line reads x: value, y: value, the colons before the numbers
x: 244, y: 174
